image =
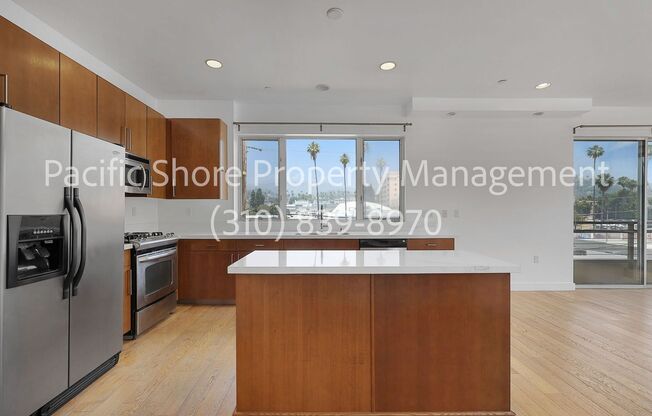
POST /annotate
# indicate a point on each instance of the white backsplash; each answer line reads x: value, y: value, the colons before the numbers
x: 141, y: 214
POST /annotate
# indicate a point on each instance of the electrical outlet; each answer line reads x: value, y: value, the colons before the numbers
x: 188, y: 212
x: 444, y: 213
x: 456, y: 213
x: 535, y: 259
x: 133, y: 211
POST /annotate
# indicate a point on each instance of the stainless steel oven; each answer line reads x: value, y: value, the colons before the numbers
x: 156, y: 276
x: 138, y: 176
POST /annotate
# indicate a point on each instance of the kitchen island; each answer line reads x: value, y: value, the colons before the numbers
x: 381, y: 331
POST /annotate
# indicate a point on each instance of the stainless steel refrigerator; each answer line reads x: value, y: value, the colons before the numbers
x: 61, y: 246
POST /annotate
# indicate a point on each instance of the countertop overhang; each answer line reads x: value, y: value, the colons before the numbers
x: 280, y: 262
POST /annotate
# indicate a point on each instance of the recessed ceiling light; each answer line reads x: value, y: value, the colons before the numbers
x: 388, y: 66
x: 451, y: 114
x: 538, y: 113
x: 214, y: 63
x: 543, y: 85
x: 267, y: 87
x: 322, y: 87
x: 334, y: 13
x: 502, y: 81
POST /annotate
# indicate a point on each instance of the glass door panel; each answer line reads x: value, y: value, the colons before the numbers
x: 608, y: 212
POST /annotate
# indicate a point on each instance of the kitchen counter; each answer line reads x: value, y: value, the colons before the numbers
x: 354, y: 262
x: 128, y: 246
x: 354, y: 235
x: 352, y: 333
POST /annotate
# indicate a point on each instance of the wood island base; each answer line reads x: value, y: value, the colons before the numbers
x: 373, y: 345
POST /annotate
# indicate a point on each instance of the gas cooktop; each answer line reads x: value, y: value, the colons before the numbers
x: 147, y: 240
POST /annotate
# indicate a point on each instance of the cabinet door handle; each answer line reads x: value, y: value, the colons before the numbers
x: 5, y: 84
x: 130, y: 283
x: 231, y: 258
x: 259, y: 245
x: 432, y: 244
x: 174, y: 191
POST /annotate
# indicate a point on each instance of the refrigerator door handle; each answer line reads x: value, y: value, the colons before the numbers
x: 69, y: 238
x: 82, y: 259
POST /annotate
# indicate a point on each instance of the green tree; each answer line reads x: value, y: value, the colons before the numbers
x: 344, y: 160
x: 313, y: 151
x: 594, y: 152
x: 604, y: 182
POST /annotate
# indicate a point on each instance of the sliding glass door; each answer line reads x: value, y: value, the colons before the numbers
x: 609, y: 228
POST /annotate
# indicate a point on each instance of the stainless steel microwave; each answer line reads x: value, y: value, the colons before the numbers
x: 138, y: 177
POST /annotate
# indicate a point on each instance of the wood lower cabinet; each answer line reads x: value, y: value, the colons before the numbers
x: 126, y: 303
x: 110, y: 112
x: 303, y: 344
x: 31, y: 69
x: 203, y: 276
x: 78, y: 99
x: 431, y: 244
x: 440, y: 333
x: 199, y: 146
x: 136, y: 126
x: 316, y: 244
x: 157, y: 151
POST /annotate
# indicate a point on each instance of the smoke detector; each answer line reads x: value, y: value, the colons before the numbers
x: 334, y: 13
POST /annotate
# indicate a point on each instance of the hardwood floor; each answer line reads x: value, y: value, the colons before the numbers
x: 582, y: 353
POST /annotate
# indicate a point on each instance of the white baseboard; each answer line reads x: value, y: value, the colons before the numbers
x: 542, y: 286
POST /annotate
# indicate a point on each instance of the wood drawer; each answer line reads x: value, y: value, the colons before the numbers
x: 318, y: 244
x: 210, y: 245
x: 259, y: 244
x: 431, y: 244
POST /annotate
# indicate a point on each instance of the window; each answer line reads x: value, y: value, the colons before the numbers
x: 260, y: 188
x: 320, y: 178
x: 317, y: 176
x: 382, y: 179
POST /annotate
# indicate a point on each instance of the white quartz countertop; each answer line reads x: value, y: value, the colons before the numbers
x: 128, y: 246
x: 275, y: 262
x: 288, y: 235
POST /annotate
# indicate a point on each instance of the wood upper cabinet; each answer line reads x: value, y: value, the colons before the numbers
x: 32, y: 68
x: 157, y: 150
x: 198, y: 143
x: 110, y: 112
x: 203, y: 276
x: 136, y: 126
x: 78, y: 100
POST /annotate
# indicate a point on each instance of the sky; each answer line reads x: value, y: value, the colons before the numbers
x: 621, y: 157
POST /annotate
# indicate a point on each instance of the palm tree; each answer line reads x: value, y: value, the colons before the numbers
x: 313, y: 150
x: 344, y: 160
x: 594, y: 152
x: 604, y: 182
x: 381, y: 164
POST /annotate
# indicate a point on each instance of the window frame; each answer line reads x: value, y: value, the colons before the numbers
x: 359, y: 162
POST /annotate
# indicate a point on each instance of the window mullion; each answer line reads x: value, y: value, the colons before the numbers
x: 282, y: 177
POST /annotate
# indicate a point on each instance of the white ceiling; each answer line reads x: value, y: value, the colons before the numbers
x: 596, y: 49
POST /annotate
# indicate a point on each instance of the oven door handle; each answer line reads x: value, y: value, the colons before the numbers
x: 157, y: 256
x: 82, y: 259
